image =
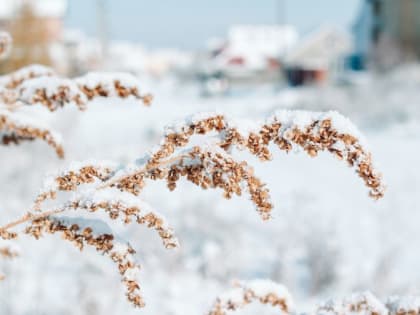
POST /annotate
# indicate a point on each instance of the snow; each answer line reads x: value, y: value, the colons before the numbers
x: 51, y: 85
x: 99, y: 227
x: 399, y: 305
x: 107, y: 80
x: 255, y: 44
x: 26, y: 72
x: 23, y: 120
x: 50, y: 183
x: 326, y: 239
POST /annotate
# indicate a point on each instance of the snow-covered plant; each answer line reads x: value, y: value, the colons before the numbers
x: 359, y: 303
x: 367, y: 304
x: 200, y: 149
x: 257, y: 291
x: 276, y: 295
x: 40, y: 85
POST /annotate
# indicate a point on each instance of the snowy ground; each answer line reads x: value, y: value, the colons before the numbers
x: 327, y: 238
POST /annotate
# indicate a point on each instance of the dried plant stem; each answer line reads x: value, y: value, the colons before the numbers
x: 142, y: 171
x: 29, y: 216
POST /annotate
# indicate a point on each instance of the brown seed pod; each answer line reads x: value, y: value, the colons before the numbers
x: 82, y: 232
x: 257, y: 291
x: 289, y: 130
x: 16, y: 128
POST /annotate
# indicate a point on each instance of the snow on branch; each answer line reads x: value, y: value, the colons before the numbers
x: 364, y: 303
x: 38, y: 86
x: 257, y: 291
x: 15, y: 128
x: 289, y: 130
x: 69, y: 179
x: 104, y: 186
x: 83, y: 232
x: 128, y: 208
x: 206, y: 167
x: 271, y: 293
x: 16, y: 78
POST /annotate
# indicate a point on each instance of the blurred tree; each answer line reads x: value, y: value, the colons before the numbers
x: 30, y: 40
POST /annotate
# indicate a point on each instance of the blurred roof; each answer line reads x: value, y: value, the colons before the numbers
x: 42, y: 8
x: 320, y: 47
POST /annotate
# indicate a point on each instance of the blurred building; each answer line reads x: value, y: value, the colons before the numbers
x: 387, y: 32
x: 49, y: 12
x: 249, y: 54
x: 318, y: 56
x: 35, y: 25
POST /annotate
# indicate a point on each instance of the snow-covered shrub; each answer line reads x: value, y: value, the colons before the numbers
x: 276, y: 295
x: 261, y: 291
x: 207, y: 163
x: 40, y: 85
x: 200, y: 148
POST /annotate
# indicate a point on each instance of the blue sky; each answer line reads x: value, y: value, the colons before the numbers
x: 188, y: 23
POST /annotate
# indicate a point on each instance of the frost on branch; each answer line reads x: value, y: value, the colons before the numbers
x: 81, y: 179
x: 270, y: 293
x: 39, y: 85
x: 127, y: 208
x: 103, y: 186
x: 206, y: 167
x: 83, y: 232
x: 257, y: 291
x: 359, y: 303
x: 15, y: 128
x: 289, y: 130
x: 13, y: 80
x: 71, y: 178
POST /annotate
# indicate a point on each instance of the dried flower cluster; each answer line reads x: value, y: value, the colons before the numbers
x: 103, y: 186
x: 273, y: 294
x: 206, y: 167
x: 361, y: 303
x: 40, y: 85
x: 260, y: 291
x: 311, y: 131
x: 82, y: 232
x: 15, y: 128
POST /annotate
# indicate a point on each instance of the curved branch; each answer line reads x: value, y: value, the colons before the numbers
x: 15, y: 128
x: 311, y: 131
x: 81, y: 233
x: 257, y: 291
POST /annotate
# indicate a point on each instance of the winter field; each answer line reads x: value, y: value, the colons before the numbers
x: 327, y: 237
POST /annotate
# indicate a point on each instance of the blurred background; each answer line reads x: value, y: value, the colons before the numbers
x: 246, y: 58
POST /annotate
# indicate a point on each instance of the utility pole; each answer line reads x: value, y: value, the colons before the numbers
x: 281, y: 12
x: 102, y: 27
